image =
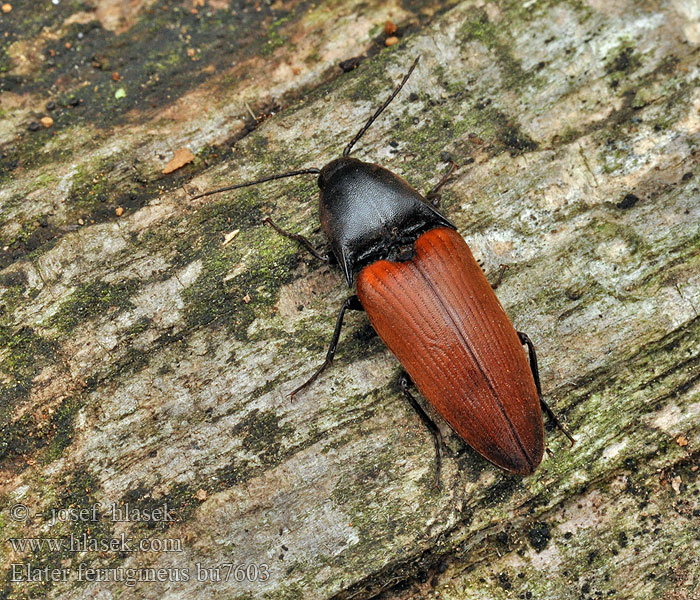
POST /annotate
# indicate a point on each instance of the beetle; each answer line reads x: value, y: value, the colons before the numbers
x: 431, y: 304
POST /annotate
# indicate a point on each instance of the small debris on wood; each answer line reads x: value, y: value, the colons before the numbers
x: 251, y: 113
x: 201, y: 495
x: 246, y: 298
x: 181, y: 157
x: 676, y: 484
x: 230, y: 236
x: 350, y: 63
x: 628, y: 201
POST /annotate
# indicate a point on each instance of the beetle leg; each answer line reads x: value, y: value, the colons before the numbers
x: 434, y: 195
x: 351, y: 303
x: 429, y: 423
x: 526, y: 341
x: 500, y: 278
x: 326, y: 258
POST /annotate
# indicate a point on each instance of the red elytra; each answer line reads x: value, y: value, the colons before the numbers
x: 439, y: 315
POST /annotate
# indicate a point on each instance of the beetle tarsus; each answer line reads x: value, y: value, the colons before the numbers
x: 430, y: 424
x: 311, y: 379
x: 526, y: 341
x: 503, y: 269
x: 351, y: 303
x: 433, y: 196
x: 557, y: 422
x: 326, y: 258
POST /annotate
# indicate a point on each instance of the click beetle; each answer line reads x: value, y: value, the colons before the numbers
x: 431, y: 304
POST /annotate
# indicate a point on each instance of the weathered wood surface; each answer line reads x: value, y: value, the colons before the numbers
x: 146, y: 362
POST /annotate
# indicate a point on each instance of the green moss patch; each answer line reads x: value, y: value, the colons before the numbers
x: 623, y: 60
x: 91, y: 300
x: 490, y: 35
x: 26, y: 353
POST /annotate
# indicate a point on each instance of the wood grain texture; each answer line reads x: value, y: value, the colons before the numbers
x: 144, y: 360
x: 441, y: 318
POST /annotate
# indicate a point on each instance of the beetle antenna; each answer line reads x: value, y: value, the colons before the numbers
x: 262, y: 180
x: 374, y: 117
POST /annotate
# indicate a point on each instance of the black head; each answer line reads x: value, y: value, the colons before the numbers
x: 368, y: 213
x: 332, y: 169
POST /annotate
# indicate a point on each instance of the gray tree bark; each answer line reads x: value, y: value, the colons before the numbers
x: 149, y: 340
